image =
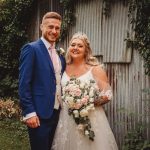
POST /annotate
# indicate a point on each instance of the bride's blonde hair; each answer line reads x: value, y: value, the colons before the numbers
x: 89, y: 59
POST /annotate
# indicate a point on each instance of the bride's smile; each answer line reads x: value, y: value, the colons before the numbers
x: 77, y: 49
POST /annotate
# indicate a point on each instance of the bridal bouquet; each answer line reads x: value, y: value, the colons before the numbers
x: 79, y: 97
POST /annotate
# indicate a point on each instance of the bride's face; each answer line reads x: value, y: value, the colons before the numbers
x: 77, y: 49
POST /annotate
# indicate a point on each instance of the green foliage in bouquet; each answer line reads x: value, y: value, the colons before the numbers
x: 79, y: 97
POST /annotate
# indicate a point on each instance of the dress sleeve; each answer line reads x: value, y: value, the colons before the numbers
x: 101, y: 79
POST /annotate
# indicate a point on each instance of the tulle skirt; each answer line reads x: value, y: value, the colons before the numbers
x: 68, y: 137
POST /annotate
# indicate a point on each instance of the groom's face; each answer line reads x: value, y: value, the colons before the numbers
x: 50, y: 28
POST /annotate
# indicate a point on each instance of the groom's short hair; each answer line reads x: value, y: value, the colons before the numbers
x: 54, y: 15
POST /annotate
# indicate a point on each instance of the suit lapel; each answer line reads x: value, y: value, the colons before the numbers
x: 46, y: 54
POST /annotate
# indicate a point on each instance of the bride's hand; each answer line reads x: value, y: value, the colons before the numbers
x: 97, y: 102
x: 103, y: 100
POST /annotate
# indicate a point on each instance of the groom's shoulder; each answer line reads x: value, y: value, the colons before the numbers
x: 35, y: 43
x: 31, y: 46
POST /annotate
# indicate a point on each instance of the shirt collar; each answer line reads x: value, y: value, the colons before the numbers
x: 46, y: 43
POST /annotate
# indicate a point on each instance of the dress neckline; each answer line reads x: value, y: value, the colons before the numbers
x: 80, y: 75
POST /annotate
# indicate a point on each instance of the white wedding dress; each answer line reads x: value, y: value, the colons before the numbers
x: 68, y: 137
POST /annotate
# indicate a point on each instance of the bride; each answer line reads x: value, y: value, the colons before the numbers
x: 84, y: 67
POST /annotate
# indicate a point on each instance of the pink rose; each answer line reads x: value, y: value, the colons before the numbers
x: 84, y: 100
x: 77, y: 106
x: 77, y: 92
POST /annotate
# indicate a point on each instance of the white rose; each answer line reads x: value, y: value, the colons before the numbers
x: 86, y: 86
x: 88, y: 108
x: 76, y: 113
x: 92, y: 107
x: 91, y: 94
x: 83, y: 113
x: 82, y: 85
x: 69, y: 99
x: 70, y: 85
x: 91, y: 100
x: 85, y: 93
x: 78, y: 100
x: 62, y: 51
x: 63, y: 96
x: 92, y: 88
x: 88, y: 82
x: 86, y: 132
x: 80, y: 127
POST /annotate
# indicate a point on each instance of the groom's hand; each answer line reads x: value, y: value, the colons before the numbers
x: 33, y: 122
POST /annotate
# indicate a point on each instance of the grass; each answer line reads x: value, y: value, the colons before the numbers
x: 13, y: 135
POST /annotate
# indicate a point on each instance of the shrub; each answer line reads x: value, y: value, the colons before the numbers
x: 135, y: 140
x: 9, y: 109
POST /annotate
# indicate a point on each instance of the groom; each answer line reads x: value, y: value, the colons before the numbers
x: 40, y: 72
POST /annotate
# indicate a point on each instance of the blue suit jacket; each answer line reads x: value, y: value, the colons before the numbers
x: 37, y: 82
